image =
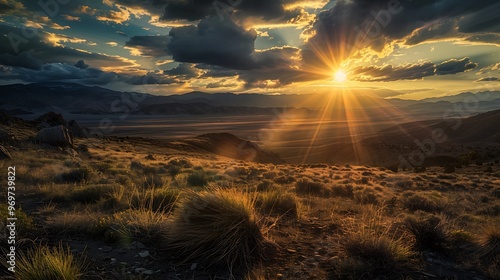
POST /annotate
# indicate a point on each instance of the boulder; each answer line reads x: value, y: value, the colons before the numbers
x: 51, y: 119
x: 4, y: 154
x: 77, y: 130
x: 5, y: 136
x: 55, y: 136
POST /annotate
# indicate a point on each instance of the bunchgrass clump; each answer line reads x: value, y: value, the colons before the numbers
x: 198, y: 178
x: 372, y: 248
x: 89, y: 194
x: 155, y: 199
x: 490, y: 241
x: 76, y: 175
x: 417, y: 202
x: 218, y: 228
x: 42, y: 263
x: 429, y: 231
x: 308, y: 187
x: 278, y: 203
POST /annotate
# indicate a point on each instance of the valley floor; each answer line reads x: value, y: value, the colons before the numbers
x: 135, y: 209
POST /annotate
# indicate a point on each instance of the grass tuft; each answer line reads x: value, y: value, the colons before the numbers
x: 429, y: 231
x: 218, y: 228
x: 308, y: 187
x: 42, y: 263
x: 278, y: 203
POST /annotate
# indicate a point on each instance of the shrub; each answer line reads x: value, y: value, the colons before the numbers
x: 154, y: 181
x: 265, y: 185
x: 490, y: 242
x: 369, y: 249
x: 162, y: 200
x: 417, y: 202
x: 382, y: 252
x: 173, y: 170
x: 89, y: 194
x: 24, y: 223
x: 283, y: 180
x: 429, y: 231
x: 219, y: 229
x: 278, y: 203
x: 75, y: 176
x: 343, y: 191
x: 197, y: 179
x: 308, y: 187
x: 365, y: 196
x: 42, y: 263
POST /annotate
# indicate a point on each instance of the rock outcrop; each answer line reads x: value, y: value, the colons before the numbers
x: 55, y: 136
x: 4, y: 154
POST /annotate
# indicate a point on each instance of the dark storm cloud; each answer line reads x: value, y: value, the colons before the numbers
x: 489, y: 79
x: 14, y: 43
x: 24, y: 59
x: 215, y: 42
x: 216, y: 71
x: 193, y: 10
x: 485, y: 20
x: 392, y: 73
x: 412, y: 71
x: 185, y: 70
x: 153, y: 46
x: 281, y: 65
x: 64, y: 72
x: 351, y: 25
x: 454, y: 66
x: 485, y: 38
x: 434, y: 30
x: 151, y: 79
x: 81, y: 64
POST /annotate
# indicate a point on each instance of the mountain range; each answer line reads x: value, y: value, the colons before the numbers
x: 80, y: 99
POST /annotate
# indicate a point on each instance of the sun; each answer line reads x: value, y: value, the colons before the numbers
x: 340, y: 76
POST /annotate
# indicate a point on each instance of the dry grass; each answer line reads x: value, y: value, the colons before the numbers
x: 43, y: 263
x: 219, y: 228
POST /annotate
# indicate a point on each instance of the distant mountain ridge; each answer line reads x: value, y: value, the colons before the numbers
x: 80, y: 99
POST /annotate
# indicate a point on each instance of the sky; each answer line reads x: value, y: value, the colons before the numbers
x: 405, y: 49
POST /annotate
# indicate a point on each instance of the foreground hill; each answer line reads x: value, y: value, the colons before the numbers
x: 137, y: 208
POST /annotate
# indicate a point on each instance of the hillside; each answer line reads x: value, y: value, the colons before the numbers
x: 138, y: 208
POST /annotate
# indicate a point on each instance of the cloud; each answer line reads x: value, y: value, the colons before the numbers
x: 215, y: 42
x: 71, y: 18
x: 150, y: 46
x: 433, y: 30
x: 119, y: 17
x: 270, y: 11
x: 184, y: 70
x: 154, y: 7
x: 151, y: 79
x: 24, y: 60
x: 220, y: 84
x: 393, y: 73
x: 48, y: 48
x: 412, y: 71
x: 489, y: 79
x: 351, y: 25
x: 64, y: 72
x: 454, y: 66
x: 81, y: 64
